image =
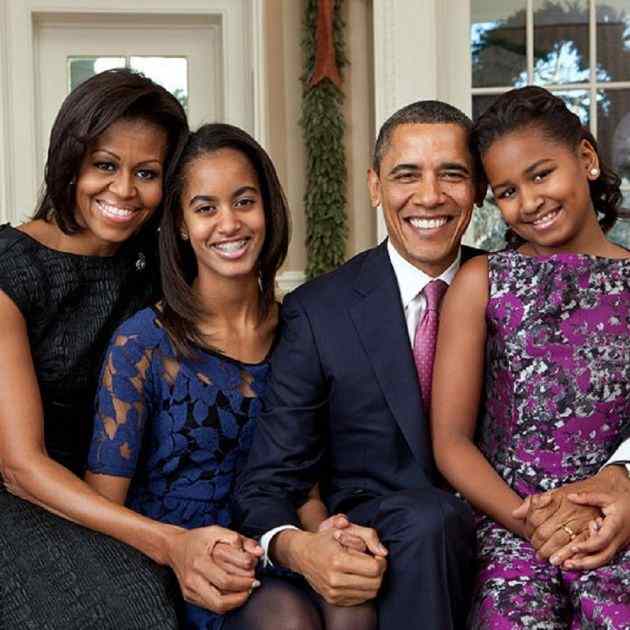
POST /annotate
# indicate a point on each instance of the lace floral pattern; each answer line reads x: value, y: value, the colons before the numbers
x: 181, y: 429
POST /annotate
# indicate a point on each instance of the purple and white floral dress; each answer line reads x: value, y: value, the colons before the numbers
x: 557, y: 405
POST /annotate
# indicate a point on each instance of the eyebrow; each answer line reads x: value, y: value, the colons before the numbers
x: 528, y: 171
x: 532, y: 167
x: 445, y: 166
x: 114, y: 155
x: 236, y: 193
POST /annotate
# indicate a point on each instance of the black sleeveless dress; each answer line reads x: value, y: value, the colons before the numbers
x: 54, y: 574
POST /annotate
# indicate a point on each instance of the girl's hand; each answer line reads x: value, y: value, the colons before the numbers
x: 239, y: 561
x: 352, y: 536
x: 608, y: 536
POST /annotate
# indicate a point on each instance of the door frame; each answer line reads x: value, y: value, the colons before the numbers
x: 421, y: 51
x: 243, y: 76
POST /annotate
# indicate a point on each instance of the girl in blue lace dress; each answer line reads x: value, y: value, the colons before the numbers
x: 181, y: 384
x: 546, y: 325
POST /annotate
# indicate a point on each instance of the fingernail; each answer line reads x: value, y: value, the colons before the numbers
x: 255, y: 583
x: 569, y: 565
x: 554, y: 560
x: 382, y: 549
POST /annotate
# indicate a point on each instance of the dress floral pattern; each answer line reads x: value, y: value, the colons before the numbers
x: 557, y: 404
x: 180, y: 429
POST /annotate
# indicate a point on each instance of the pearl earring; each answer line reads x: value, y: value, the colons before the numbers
x: 594, y: 172
x: 184, y: 236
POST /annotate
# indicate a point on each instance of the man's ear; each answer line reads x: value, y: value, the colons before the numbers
x: 374, y: 187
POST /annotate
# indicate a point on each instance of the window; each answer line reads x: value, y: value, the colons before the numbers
x: 577, y: 49
x: 169, y: 72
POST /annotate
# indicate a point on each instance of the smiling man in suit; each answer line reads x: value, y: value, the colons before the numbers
x: 347, y: 404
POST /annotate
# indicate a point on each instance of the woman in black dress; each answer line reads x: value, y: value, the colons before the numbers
x: 67, y: 279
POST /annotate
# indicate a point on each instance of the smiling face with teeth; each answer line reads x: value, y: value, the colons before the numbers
x: 223, y: 216
x: 426, y: 187
x: 542, y: 188
x: 119, y: 184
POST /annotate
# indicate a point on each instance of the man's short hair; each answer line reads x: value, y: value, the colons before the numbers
x: 420, y: 112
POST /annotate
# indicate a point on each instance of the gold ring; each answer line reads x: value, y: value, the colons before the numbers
x: 569, y: 531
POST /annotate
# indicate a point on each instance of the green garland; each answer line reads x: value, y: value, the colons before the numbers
x: 323, y: 129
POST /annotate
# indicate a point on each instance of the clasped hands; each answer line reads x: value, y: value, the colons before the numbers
x: 581, y: 525
x: 342, y: 561
x: 215, y: 567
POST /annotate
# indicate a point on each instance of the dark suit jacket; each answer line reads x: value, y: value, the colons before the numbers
x: 343, y: 403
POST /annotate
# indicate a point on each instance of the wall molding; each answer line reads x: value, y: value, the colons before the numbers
x: 259, y: 71
x: 5, y: 148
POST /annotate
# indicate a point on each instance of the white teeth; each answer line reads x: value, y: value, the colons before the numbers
x: 231, y: 246
x: 428, y: 224
x: 547, y: 218
x: 115, y: 210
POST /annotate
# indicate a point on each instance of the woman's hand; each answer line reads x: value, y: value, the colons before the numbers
x: 202, y: 578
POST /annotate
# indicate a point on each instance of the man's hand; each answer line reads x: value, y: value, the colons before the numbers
x: 201, y: 578
x: 353, y: 536
x: 344, y: 577
x: 609, y: 535
x: 550, y: 519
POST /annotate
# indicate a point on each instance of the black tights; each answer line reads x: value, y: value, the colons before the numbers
x: 283, y: 604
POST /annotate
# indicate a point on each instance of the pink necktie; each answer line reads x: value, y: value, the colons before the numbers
x: 425, y: 338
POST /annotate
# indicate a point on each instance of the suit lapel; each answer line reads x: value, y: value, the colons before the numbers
x: 380, y: 323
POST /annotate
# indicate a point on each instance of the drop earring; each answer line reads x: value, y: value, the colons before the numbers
x: 184, y: 236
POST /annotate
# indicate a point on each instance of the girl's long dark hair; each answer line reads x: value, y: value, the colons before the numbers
x: 536, y: 108
x: 181, y: 311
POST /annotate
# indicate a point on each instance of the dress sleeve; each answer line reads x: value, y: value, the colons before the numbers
x: 122, y: 406
x: 21, y: 280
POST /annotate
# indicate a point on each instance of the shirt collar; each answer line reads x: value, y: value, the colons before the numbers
x: 412, y: 280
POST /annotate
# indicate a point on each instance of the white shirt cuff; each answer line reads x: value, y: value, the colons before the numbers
x: 621, y: 455
x: 265, y: 541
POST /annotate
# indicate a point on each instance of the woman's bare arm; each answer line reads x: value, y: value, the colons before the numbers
x: 29, y: 473
x: 457, y: 383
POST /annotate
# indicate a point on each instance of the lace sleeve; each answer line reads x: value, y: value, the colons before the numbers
x: 122, y: 402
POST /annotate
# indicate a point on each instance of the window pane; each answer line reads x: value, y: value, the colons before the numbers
x: 579, y: 102
x: 169, y: 72
x: 561, y: 44
x: 621, y: 230
x: 613, y: 130
x: 82, y: 68
x: 613, y: 40
x: 497, y: 36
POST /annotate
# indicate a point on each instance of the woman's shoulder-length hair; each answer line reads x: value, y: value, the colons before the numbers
x: 90, y: 109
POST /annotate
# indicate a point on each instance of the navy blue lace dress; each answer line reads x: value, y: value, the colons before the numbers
x: 180, y: 429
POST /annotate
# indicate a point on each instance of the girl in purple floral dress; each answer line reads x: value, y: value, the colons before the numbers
x: 545, y: 325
